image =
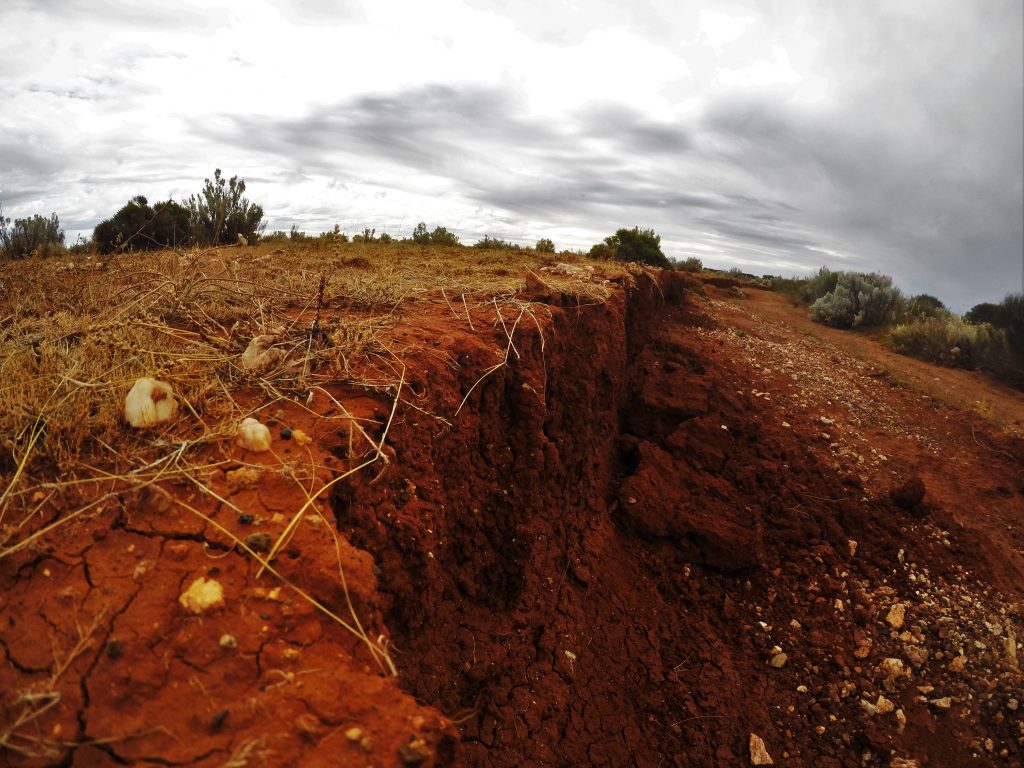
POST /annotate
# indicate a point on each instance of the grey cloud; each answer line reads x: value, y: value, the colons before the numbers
x: 122, y: 12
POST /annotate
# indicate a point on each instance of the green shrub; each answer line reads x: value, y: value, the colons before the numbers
x: 34, y: 236
x: 985, y: 312
x: 602, y: 252
x: 858, y: 300
x: 545, y: 246
x: 440, y: 236
x: 691, y: 264
x: 220, y: 213
x: 950, y: 341
x: 493, y: 243
x: 925, y: 305
x: 335, y: 235
x: 139, y: 227
x: 634, y: 245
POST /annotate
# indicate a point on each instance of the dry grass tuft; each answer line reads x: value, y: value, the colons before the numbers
x: 75, y: 335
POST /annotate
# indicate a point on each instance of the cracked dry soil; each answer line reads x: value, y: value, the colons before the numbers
x: 664, y: 525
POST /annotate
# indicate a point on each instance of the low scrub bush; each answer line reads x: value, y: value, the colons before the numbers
x: 139, y: 227
x: 493, y: 243
x: 858, y: 300
x: 37, y: 236
x: 691, y: 264
x: 806, y: 290
x: 220, y: 214
x: 951, y: 341
x: 642, y: 246
x: 440, y: 236
x: 946, y: 339
x: 545, y: 246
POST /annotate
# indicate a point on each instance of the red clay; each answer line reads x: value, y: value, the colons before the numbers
x: 594, y: 554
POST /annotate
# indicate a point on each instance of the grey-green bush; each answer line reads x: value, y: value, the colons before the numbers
x: 858, y: 300
x: 220, y: 213
x: 951, y: 341
x: 25, y: 237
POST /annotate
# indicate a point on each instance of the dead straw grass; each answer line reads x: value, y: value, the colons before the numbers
x: 74, y: 336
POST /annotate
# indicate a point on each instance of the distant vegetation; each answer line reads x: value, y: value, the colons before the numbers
x: 642, y: 246
x: 218, y: 215
x: 139, y: 227
x: 990, y: 337
x: 440, y: 236
x: 858, y: 300
x: 33, y: 236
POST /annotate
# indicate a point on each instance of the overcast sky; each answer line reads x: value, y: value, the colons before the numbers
x: 877, y: 135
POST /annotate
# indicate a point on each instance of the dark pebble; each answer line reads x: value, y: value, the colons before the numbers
x: 258, y: 542
x: 286, y: 434
x: 115, y: 649
x: 217, y: 721
x: 246, y: 519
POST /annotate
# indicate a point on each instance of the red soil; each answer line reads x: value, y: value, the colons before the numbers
x: 591, y: 563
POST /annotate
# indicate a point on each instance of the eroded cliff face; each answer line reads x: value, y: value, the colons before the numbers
x: 591, y: 540
x: 601, y: 559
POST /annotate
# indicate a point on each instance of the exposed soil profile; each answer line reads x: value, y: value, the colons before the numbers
x: 629, y: 533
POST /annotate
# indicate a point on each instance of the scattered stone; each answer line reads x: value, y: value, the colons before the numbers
x: 944, y: 703
x: 863, y: 649
x: 896, y: 615
x: 242, y: 478
x: 202, y: 595
x: 901, y: 720
x: 826, y: 421
x: 286, y: 433
x: 149, y: 402
x: 415, y: 753
x: 217, y: 721
x: 957, y: 664
x: 253, y: 436
x: 115, y: 649
x: 778, y: 661
x: 1010, y: 649
x: 884, y: 706
x: 300, y: 437
x: 259, y: 542
x: 354, y: 734
x: 915, y: 655
x: 852, y: 545
x: 909, y: 495
x: 309, y: 726
x: 228, y: 641
x: 891, y: 667
x: 260, y: 355
x: 758, y: 754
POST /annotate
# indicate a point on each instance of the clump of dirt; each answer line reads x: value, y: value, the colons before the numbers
x: 580, y: 533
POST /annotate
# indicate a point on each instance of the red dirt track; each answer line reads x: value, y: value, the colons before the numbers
x: 593, y: 555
